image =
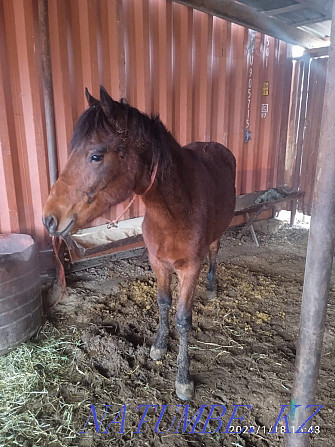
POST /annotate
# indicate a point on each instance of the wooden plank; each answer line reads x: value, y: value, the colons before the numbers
x: 312, y: 129
x: 128, y: 253
x: 286, y: 90
x: 318, y: 52
x: 295, y: 99
x: 301, y: 125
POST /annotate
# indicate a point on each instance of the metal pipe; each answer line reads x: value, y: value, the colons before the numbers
x: 48, y: 90
x: 318, y: 269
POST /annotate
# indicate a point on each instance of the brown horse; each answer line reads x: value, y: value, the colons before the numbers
x: 189, y: 195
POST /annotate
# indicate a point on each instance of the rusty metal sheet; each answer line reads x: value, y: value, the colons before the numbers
x: 24, y: 179
x: 191, y: 68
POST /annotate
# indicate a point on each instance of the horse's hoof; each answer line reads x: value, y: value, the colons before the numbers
x: 156, y: 353
x: 185, y: 391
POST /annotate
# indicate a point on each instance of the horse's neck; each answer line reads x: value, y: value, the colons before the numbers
x: 168, y: 193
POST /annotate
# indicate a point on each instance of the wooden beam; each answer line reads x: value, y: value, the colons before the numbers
x: 246, y: 16
x: 318, y: 52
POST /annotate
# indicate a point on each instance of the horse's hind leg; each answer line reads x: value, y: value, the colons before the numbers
x: 163, y: 275
x: 188, y: 278
x: 211, y: 277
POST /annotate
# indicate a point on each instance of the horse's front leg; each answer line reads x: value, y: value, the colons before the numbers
x: 163, y: 274
x: 188, y: 278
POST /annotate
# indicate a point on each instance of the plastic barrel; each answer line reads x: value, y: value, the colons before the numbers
x: 20, y: 290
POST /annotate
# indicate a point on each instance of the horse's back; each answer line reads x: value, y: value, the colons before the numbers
x: 214, y: 155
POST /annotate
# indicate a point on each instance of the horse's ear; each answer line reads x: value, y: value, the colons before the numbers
x: 108, y: 105
x: 90, y: 99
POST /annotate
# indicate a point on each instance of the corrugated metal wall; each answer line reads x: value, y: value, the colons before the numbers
x: 209, y: 80
x: 23, y: 163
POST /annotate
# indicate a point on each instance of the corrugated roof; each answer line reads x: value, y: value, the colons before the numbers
x: 312, y: 16
x: 300, y: 22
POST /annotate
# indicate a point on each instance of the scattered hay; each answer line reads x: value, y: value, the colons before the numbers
x: 31, y: 410
x: 262, y: 317
x: 142, y: 290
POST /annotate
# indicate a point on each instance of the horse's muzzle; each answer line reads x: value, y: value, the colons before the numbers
x: 51, y: 224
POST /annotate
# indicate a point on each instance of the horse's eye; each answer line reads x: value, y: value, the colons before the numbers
x: 96, y: 157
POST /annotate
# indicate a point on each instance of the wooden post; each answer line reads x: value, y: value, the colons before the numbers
x: 318, y: 270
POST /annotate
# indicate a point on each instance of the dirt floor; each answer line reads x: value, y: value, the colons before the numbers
x: 242, y: 349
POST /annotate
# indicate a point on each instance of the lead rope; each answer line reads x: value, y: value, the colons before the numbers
x: 56, y: 245
x: 114, y: 223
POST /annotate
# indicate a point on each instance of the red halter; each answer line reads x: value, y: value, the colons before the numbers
x: 114, y: 222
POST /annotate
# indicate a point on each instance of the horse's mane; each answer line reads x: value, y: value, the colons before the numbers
x: 134, y: 123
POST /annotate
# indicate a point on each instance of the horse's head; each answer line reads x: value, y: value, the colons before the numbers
x: 104, y: 165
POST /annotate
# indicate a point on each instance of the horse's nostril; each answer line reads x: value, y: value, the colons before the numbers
x: 50, y: 223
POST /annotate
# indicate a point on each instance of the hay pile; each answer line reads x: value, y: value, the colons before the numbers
x: 32, y: 410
